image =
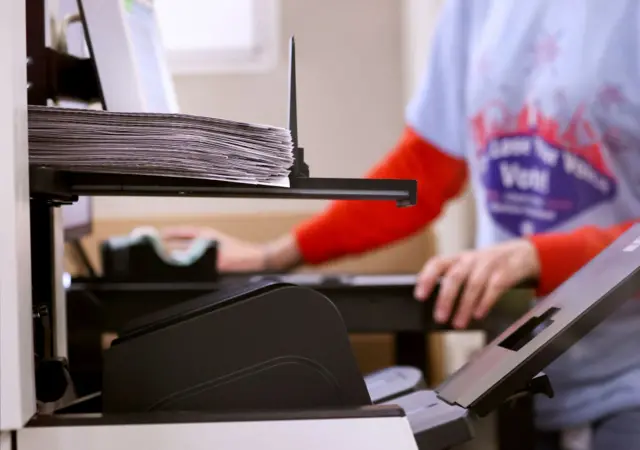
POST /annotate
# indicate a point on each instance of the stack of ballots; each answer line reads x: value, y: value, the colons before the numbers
x: 177, y: 145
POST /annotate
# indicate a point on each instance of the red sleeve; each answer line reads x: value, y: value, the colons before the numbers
x: 562, y: 254
x: 352, y: 226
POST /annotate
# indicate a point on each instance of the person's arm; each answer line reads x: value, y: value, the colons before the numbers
x: 351, y: 226
x: 563, y: 254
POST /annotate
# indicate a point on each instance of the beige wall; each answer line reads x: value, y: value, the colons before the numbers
x: 350, y: 98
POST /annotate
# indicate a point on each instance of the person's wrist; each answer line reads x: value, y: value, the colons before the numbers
x: 280, y: 255
x: 532, y: 259
x: 267, y: 262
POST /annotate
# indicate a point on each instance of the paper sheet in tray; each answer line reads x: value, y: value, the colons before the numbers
x: 160, y: 145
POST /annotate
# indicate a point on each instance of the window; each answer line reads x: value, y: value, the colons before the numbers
x: 209, y: 36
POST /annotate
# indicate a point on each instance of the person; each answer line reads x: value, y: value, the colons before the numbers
x: 537, y: 105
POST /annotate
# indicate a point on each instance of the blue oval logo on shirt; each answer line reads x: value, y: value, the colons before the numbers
x: 537, y: 177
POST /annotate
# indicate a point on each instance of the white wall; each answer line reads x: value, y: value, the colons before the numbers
x: 350, y: 99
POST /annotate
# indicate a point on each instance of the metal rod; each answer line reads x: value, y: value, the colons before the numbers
x: 293, y: 99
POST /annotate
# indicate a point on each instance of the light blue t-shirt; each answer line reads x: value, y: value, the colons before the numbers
x: 542, y: 99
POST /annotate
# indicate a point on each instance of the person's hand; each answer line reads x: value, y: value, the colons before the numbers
x: 480, y: 277
x: 234, y: 255
x: 237, y: 255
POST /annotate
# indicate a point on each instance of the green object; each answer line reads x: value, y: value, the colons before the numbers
x: 128, y: 5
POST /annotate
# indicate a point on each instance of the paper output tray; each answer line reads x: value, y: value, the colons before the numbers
x: 515, y: 358
x: 66, y: 186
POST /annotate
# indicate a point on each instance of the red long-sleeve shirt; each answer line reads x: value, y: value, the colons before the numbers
x: 351, y: 227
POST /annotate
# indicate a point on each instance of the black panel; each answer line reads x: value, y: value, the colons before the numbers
x: 364, y: 308
x: 55, y: 185
x: 514, y: 358
x: 269, y: 348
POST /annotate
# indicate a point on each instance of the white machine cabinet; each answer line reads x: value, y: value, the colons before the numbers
x: 338, y: 434
x: 17, y: 395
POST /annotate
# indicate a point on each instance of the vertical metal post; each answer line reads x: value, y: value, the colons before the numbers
x: 60, y: 345
x: 42, y: 223
x: 36, y: 53
x: 42, y: 282
x: 300, y: 169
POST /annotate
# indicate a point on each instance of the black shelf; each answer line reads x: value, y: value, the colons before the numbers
x: 63, y: 187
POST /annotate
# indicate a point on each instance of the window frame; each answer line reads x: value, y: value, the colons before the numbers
x: 262, y: 58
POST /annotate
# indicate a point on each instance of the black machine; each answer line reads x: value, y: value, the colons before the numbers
x: 367, y: 304
x: 314, y: 375
x: 291, y: 352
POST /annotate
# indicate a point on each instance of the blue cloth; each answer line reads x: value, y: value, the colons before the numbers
x: 542, y: 99
x: 616, y: 432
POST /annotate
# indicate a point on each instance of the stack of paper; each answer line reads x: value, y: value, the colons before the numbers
x: 159, y: 144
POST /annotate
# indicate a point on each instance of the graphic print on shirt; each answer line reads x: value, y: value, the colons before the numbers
x: 539, y: 173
